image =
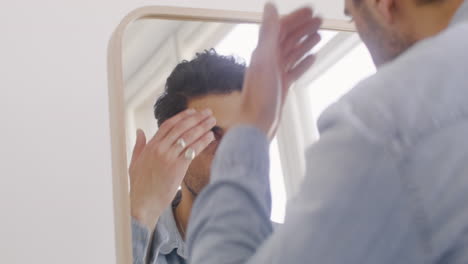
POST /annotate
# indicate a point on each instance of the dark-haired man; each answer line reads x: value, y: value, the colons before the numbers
x: 388, y: 180
x: 201, y: 100
x: 209, y: 86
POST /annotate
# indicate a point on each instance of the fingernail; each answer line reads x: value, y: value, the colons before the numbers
x: 212, y: 137
x: 191, y: 111
x: 212, y: 120
x: 207, y: 111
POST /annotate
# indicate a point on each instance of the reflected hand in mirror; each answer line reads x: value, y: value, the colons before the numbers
x: 159, y: 166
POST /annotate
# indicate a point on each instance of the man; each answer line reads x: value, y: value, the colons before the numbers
x: 388, y: 179
x: 181, y: 152
x: 209, y: 81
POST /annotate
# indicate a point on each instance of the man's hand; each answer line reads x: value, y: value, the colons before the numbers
x: 159, y: 166
x: 278, y: 61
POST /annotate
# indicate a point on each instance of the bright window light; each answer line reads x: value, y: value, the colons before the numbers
x: 340, y: 78
x: 241, y: 42
x: 243, y: 39
x: 278, y: 192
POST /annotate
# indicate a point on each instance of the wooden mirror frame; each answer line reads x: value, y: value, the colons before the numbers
x: 122, y: 219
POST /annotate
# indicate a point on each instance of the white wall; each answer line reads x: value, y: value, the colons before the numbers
x: 55, y: 192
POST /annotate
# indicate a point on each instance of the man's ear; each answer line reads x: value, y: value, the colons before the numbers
x: 387, y: 9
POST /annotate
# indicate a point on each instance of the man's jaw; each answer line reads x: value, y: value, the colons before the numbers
x: 192, y: 191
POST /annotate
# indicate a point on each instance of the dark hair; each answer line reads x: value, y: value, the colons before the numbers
x: 208, y: 73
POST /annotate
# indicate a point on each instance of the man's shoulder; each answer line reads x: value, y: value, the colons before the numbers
x: 420, y: 91
x: 431, y: 60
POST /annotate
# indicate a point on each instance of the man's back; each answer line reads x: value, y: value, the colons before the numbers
x: 437, y: 173
x: 434, y: 161
x: 416, y: 110
x: 386, y: 183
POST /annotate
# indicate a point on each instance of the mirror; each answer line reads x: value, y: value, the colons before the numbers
x: 152, y: 47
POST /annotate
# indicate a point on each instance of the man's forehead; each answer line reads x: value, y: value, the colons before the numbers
x: 224, y: 106
x: 219, y: 101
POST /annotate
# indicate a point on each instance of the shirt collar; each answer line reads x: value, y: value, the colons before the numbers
x: 169, y: 233
x: 462, y: 13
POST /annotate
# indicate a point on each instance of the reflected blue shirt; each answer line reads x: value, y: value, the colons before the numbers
x: 164, y: 246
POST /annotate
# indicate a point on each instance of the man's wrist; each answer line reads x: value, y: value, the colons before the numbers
x: 146, y: 218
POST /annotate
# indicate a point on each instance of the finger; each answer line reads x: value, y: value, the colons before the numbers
x: 294, y: 39
x: 297, y: 54
x: 181, y: 127
x: 199, y: 145
x: 302, y: 67
x: 139, y: 145
x: 269, y: 30
x: 193, y: 135
x: 170, y: 123
x: 291, y: 22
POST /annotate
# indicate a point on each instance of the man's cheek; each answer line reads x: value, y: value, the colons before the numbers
x: 204, y: 160
x: 211, y: 149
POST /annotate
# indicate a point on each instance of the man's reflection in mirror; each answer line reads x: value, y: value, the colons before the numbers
x: 193, y: 114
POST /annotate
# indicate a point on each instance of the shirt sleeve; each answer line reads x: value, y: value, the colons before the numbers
x: 351, y: 208
x: 140, y: 242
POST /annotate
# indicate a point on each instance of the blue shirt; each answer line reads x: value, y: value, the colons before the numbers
x: 164, y: 246
x: 386, y: 183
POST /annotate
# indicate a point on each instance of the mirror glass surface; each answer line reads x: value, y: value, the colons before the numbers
x: 152, y: 48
